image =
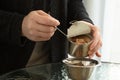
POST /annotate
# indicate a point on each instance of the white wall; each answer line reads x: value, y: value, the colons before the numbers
x: 95, y: 8
x: 111, y: 31
x: 106, y: 15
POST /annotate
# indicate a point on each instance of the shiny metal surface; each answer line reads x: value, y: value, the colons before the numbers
x: 79, y: 50
x: 58, y: 71
x: 80, y: 68
x: 61, y: 31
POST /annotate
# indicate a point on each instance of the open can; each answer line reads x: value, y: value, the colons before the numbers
x: 79, y: 45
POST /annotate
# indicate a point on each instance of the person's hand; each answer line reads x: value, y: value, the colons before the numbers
x: 97, y: 41
x: 39, y: 26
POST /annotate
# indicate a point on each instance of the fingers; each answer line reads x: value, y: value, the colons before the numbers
x: 40, y: 12
x: 96, y: 42
x: 44, y: 28
x: 95, y: 50
x: 42, y: 33
x: 39, y: 26
x: 95, y: 38
x: 40, y: 36
x: 98, y: 54
x: 44, y: 18
x: 95, y: 46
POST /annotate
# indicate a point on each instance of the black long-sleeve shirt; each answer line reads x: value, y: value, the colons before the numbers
x: 16, y: 50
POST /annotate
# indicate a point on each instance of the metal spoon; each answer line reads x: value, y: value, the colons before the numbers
x: 61, y: 31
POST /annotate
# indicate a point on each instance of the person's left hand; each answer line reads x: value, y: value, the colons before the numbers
x: 97, y: 41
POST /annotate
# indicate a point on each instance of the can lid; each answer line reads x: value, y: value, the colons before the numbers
x: 78, y: 28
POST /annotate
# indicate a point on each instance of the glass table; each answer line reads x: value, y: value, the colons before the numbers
x: 57, y: 71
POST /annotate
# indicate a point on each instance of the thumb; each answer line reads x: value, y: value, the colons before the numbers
x: 98, y: 54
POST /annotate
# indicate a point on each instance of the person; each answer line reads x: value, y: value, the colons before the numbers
x: 23, y: 23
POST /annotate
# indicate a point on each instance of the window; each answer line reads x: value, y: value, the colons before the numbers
x: 111, y: 31
x: 106, y: 14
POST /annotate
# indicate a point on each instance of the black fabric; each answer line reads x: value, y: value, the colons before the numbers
x: 77, y: 11
x: 58, y: 9
x: 16, y: 50
x: 65, y: 11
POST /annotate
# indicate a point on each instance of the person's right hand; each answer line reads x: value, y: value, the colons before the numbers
x: 39, y: 26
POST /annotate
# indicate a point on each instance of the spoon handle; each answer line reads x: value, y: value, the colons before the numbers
x: 61, y: 31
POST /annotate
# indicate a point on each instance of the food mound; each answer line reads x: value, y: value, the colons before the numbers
x: 80, y: 39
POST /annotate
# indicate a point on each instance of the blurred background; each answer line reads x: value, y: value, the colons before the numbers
x: 106, y: 15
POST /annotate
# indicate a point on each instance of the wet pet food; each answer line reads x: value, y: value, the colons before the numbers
x: 80, y: 39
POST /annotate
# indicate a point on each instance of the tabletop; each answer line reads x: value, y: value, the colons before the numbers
x: 57, y: 71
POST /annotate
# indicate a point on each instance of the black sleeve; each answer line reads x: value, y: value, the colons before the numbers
x: 10, y: 28
x: 77, y: 11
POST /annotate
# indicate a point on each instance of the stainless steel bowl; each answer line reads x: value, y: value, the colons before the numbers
x: 80, y: 68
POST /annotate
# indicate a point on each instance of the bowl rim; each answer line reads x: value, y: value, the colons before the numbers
x: 98, y: 63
